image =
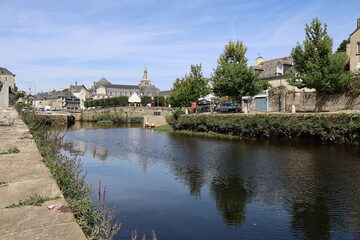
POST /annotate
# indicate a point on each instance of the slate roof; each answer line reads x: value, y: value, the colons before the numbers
x: 267, y: 68
x: 4, y: 71
x: 103, y: 81
x: 78, y: 88
x: 119, y: 86
x: 164, y: 93
x: 54, y: 95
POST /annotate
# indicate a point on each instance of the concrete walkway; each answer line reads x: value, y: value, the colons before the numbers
x: 24, y: 175
x: 156, y: 120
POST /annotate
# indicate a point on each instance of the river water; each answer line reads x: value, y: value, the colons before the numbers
x: 188, y: 187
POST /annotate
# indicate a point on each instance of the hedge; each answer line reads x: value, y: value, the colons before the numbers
x: 107, y: 102
x: 326, y: 128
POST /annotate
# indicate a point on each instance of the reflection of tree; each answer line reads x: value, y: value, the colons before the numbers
x: 311, y: 219
x: 230, y: 196
x: 192, y: 176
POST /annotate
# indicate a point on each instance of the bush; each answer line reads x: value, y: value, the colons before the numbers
x: 326, y: 128
x: 120, y: 101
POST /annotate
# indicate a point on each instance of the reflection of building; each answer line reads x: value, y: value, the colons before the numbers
x: 353, y: 48
x: 75, y: 147
x: 105, y: 89
x: 100, y: 152
x: 7, y: 85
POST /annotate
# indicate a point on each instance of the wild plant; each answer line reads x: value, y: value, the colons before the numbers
x: 95, y: 220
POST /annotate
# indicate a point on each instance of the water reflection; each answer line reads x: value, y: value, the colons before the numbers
x: 192, y: 177
x: 288, y: 191
x: 230, y: 197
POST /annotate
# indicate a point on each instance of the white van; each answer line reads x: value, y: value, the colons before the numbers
x: 47, y: 110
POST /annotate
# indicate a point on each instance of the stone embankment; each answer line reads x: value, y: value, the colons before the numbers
x: 23, y: 176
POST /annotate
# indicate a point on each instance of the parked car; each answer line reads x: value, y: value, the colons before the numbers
x: 227, y: 107
x: 47, y: 110
x: 26, y: 110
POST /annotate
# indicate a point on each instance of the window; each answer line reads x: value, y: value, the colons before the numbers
x: 358, y: 48
x: 279, y: 69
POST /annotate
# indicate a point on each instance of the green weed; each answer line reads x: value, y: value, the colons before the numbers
x: 95, y: 219
x: 11, y: 150
x: 36, y: 201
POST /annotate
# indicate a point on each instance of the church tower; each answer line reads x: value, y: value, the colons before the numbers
x: 145, y: 81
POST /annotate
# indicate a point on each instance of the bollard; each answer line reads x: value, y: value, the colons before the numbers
x: 245, y: 110
x: 293, y: 109
x: 186, y: 111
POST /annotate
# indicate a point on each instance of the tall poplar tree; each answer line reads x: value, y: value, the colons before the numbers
x: 232, y: 76
x: 315, y: 64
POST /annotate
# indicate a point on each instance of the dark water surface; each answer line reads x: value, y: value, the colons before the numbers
x: 187, y: 187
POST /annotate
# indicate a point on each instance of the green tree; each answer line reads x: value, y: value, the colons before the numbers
x: 232, y: 77
x: 159, y: 100
x: 315, y: 64
x: 342, y: 46
x: 145, y: 100
x: 189, y: 88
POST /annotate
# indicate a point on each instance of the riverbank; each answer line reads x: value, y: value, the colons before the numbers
x: 27, y: 188
x: 168, y: 128
x: 325, y: 128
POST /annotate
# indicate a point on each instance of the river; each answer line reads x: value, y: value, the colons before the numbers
x: 188, y: 187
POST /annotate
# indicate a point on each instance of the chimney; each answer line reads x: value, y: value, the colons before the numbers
x: 259, y: 60
x: 358, y: 23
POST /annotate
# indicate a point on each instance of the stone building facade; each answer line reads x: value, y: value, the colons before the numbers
x: 57, y: 100
x: 105, y: 89
x: 81, y: 92
x: 353, y: 48
x: 7, y: 86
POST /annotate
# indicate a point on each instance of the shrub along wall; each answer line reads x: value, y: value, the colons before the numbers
x: 326, y: 128
x: 107, y: 102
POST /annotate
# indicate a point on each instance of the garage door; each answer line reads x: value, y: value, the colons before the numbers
x: 261, y: 104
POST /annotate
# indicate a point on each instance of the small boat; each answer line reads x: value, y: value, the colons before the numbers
x: 147, y: 125
x: 152, y: 125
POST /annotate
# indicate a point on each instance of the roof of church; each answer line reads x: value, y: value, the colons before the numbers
x: 103, y: 81
x: 164, y: 93
x: 120, y: 86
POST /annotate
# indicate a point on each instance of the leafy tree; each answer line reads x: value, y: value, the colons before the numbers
x: 145, y: 100
x: 159, y: 100
x: 232, y: 77
x: 189, y: 88
x: 315, y: 64
x: 342, y: 47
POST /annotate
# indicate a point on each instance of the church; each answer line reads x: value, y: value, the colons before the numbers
x: 105, y: 89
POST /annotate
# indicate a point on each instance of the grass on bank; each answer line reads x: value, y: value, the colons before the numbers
x: 94, y: 218
x: 168, y: 128
x: 35, y: 200
x: 11, y: 150
x: 3, y: 124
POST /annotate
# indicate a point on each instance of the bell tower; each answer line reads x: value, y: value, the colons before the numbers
x: 145, y: 81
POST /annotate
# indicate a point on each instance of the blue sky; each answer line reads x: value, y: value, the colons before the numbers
x: 50, y: 44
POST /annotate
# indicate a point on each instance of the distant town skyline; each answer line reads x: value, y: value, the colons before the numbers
x: 50, y: 44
